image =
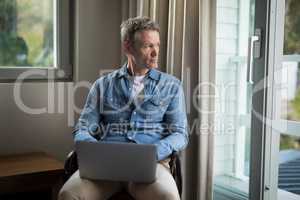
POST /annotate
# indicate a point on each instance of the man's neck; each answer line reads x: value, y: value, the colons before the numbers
x: 136, y: 70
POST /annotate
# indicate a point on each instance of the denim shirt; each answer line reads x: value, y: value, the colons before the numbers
x: 111, y: 113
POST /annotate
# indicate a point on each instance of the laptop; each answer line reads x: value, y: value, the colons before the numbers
x: 117, y: 161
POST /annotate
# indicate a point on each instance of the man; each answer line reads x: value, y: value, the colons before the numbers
x: 135, y: 104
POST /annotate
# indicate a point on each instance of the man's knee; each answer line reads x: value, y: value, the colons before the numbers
x: 154, y: 191
x: 77, y: 189
x: 66, y: 195
x: 158, y: 195
x: 168, y: 195
x: 78, y: 195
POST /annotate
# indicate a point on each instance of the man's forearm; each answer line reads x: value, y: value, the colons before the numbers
x: 174, y: 142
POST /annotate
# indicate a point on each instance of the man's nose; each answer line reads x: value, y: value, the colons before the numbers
x: 154, y: 52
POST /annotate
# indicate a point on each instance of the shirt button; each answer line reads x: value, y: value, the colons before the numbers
x: 129, y: 136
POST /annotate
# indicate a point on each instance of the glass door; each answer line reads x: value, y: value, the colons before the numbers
x: 240, y: 70
x: 283, y: 175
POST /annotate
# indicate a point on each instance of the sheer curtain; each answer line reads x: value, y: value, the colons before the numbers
x: 188, y: 34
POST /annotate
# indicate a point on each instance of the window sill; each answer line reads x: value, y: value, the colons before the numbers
x: 34, y: 74
x: 284, y: 195
x: 230, y: 188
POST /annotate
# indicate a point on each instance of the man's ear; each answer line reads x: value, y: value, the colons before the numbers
x: 127, y: 47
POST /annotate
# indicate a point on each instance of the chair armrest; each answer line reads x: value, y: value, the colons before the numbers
x: 71, y: 164
x: 175, y: 169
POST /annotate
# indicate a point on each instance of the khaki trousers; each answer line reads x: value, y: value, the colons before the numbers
x: 164, y: 188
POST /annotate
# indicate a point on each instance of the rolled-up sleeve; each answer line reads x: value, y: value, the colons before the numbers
x: 88, y: 122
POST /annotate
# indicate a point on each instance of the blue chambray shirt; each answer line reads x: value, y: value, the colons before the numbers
x: 159, y: 118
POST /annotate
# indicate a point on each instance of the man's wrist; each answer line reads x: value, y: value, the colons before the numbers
x: 161, y: 152
x: 84, y: 137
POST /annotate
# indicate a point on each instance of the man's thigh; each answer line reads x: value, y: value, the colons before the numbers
x: 77, y: 188
x: 164, y: 188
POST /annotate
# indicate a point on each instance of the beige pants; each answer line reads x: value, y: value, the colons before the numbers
x: 164, y: 188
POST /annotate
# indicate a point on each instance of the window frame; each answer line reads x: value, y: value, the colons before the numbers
x: 63, y: 50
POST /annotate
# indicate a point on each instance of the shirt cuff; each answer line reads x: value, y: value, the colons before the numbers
x: 162, y: 151
x: 84, y: 137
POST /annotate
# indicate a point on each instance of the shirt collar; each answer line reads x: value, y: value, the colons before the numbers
x: 123, y: 71
x: 152, y: 73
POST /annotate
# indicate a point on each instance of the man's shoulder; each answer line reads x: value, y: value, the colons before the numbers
x: 108, y: 75
x: 166, y: 77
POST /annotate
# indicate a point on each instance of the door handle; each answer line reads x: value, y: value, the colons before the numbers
x: 253, y: 52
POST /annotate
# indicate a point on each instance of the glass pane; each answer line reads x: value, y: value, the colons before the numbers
x: 26, y: 33
x: 290, y: 91
x: 292, y: 27
x: 289, y: 142
x: 233, y: 108
x: 289, y: 167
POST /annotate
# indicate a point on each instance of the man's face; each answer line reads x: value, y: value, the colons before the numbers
x: 145, y: 49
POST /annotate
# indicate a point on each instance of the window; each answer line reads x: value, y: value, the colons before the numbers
x: 281, y: 153
x: 274, y: 134
x: 35, y: 40
x: 287, y: 100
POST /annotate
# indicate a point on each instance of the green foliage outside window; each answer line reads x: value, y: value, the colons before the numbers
x: 292, y: 46
x: 287, y: 141
x: 26, y: 33
x: 292, y: 27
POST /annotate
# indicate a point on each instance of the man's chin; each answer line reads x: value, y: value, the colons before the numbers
x: 153, y: 66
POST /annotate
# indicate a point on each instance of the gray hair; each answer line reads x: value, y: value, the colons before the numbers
x: 134, y: 25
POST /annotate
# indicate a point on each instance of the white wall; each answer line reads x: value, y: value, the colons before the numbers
x: 97, y: 46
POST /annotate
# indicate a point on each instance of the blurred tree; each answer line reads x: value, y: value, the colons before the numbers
x: 295, y: 104
x: 292, y: 46
x: 8, y: 16
x: 292, y: 27
x: 286, y: 141
x: 13, y: 48
x: 35, y: 23
x: 289, y: 142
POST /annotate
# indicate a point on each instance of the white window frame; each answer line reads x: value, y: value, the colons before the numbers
x: 62, y: 69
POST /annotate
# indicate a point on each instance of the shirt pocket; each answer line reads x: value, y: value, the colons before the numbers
x: 155, y: 106
x: 113, y: 104
x: 113, y: 110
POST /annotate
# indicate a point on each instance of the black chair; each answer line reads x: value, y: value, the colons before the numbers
x: 71, y: 165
